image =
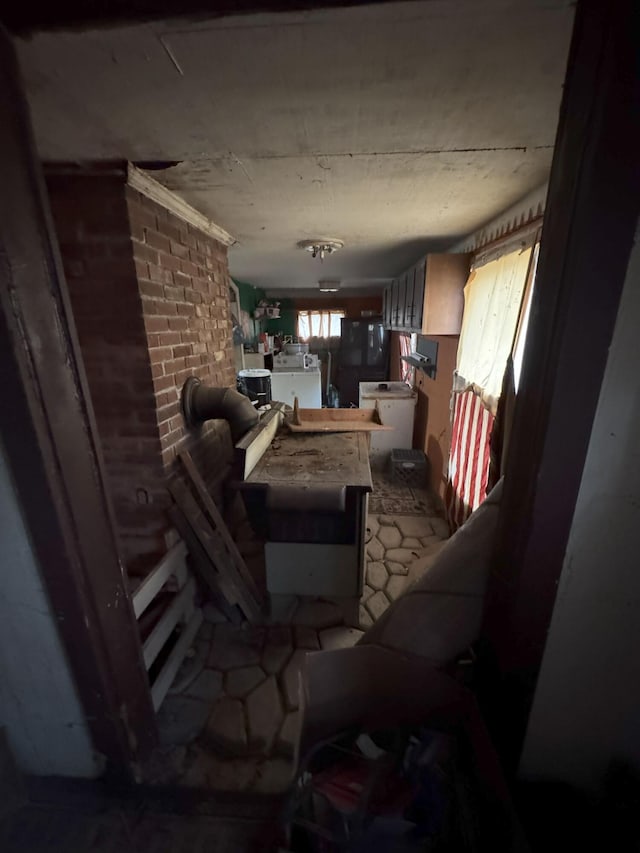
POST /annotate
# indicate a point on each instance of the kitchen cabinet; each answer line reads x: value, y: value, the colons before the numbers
x: 395, y: 304
x: 429, y: 297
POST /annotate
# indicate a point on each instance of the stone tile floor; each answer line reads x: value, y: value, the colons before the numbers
x: 231, y: 720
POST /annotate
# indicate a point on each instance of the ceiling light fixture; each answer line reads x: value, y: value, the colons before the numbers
x: 320, y: 247
x: 327, y: 286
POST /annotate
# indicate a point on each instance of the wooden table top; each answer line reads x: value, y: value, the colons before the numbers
x: 325, y: 459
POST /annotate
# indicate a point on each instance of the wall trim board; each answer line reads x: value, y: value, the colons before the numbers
x: 149, y: 187
x: 526, y: 213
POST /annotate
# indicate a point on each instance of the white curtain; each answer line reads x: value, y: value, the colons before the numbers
x: 492, y: 301
x: 319, y: 324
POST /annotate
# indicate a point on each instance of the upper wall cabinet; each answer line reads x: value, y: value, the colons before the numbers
x: 429, y: 297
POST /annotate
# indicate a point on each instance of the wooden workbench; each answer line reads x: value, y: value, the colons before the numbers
x: 307, y: 496
x: 327, y: 459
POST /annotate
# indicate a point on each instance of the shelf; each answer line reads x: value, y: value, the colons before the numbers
x: 423, y: 364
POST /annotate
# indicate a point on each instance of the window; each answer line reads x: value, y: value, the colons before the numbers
x: 525, y: 313
x: 492, y: 302
x: 407, y: 346
x: 319, y: 324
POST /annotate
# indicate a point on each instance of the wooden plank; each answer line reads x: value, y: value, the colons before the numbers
x: 251, y: 447
x: 221, y: 595
x: 218, y: 574
x: 165, y: 677
x: 225, y: 577
x: 335, y: 420
x: 160, y: 634
x: 171, y: 564
x: 219, y: 525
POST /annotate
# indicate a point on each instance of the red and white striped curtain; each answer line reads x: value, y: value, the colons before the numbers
x: 407, y: 372
x: 469, y: 457
x: 492, y: 306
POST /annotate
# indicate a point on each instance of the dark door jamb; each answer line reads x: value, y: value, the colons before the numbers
x: 48, y: 430
x: 592, y: 209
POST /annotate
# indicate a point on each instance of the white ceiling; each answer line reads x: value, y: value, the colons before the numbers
x: 394, y: 127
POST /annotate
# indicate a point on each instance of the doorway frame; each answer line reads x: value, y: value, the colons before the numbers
x: 49, y: 433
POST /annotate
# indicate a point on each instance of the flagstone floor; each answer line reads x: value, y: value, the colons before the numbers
x: 231, y: 719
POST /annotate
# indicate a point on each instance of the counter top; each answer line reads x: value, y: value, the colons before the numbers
x: 322, y: 459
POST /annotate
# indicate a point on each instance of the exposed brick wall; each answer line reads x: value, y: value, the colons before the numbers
x: 150, y: 300
x: 183, y: 279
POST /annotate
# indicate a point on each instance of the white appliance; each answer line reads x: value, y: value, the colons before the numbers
x: 305, y: 384
x: 396, y: 405
x: 298, y: 361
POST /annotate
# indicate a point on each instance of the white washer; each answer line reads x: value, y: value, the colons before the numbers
x: 306, y: 385
x: 397, y: 407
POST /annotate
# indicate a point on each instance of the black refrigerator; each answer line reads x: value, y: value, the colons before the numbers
x: 363, y: 356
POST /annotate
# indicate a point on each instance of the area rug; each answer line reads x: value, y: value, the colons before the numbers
x: 389, y: 498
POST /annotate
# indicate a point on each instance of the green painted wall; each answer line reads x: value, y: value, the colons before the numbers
x: 286, y: 323
x: 249, y: 295
x: 249, y: 298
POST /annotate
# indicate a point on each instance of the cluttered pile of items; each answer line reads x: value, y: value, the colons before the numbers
x: 405, y: 764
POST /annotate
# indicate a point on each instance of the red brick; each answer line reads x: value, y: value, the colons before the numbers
x: 143, y: 219
x: 174, y: 365
x: 178, y: 323
x: 160, y: 354
x: 171, y: 338
x: 206, y: 246
x: 174, y: 294
x: 157, y: 241
x: 162, y: 383
x: 181, y: 350
x: 167, y: 412
x: 193, y: 361
x: 179, y: 250
x: 156, y: 324
x: 169, y: 230
x: 170, y: 439
x: 203, y: 311
x: 162, y: 307
x: 159, y: 273
x: 192, y: 296
x: 146, y: 253
x: 142, y: 271
x: 189, y: 268
x: 190, y: 337
x: 202, y: 285
x: 186, y: 309
x: 183, y: 375
x: 182, y: 280
x: 170, y: 262
x: 151, y: 288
